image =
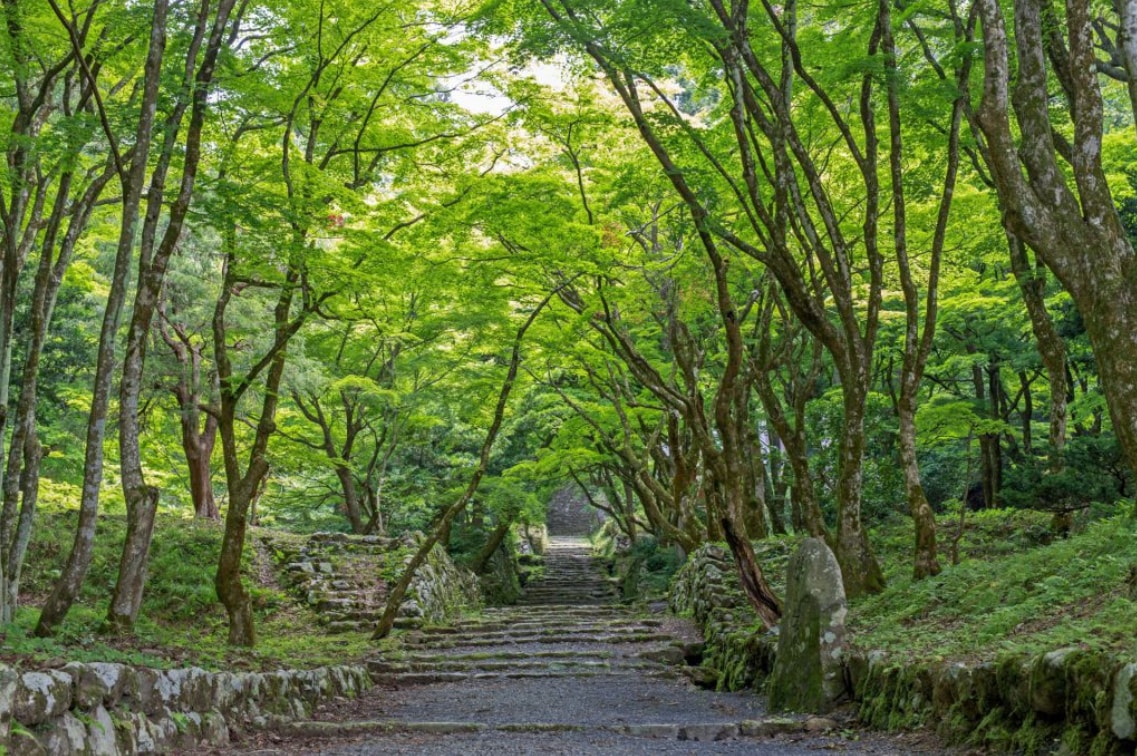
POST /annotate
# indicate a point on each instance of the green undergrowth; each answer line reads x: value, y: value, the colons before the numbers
x: 1014, y: 590
x: 182, y: 622
x: 1017, y: 589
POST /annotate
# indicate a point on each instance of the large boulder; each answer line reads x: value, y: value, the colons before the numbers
x: 808, y: 672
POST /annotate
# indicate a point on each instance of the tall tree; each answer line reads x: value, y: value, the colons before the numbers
x: 1054, y: 192
x: 130, y: 166
x: 209, y: 35
x: 52, y: 113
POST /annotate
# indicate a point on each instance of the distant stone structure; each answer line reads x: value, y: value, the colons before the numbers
x: 570, y: 515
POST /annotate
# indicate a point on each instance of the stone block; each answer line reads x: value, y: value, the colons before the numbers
x: 145, y: 692
x: 820, y: 724
x: 226, y: 691
x: 98, y: 683
x: 214, y: 729
x: 9, y: 679
x: 101, y: 737
x: 66, y: 736
x: 23, y: 743
x: 1123, y: 713
x: 158, y: 734
x: 708, y: 732
x: 41, y: 696
x: 668, y: 655
x: 188, y: 730
x: 768, y: 727
x: 196, y: 693
x: 1047, y: 683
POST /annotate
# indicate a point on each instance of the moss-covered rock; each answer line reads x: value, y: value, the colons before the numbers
x: 808, y: 674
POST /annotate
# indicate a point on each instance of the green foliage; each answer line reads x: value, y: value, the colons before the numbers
x: 1010, y: 596
x: 647, y: 568
x: 883, y: 484
x: 1094, y: 473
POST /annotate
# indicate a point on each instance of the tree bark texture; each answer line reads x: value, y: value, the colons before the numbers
x: 1072, y: 223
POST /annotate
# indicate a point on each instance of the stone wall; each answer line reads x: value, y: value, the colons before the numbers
x: 1068, y: 700
x: 110, y: 709
x: 738, y: 654
x: 441, y: 590
x: 500, y: 580
x: 345, y: 579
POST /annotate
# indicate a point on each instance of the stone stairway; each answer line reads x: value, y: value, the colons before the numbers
x: 568, y: 670
x: 341, y: 578
x: 566, y: 625
x: 338, y: 577
x: 571, y: 577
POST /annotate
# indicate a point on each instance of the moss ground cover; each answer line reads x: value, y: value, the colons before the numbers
x: 1013, y: 591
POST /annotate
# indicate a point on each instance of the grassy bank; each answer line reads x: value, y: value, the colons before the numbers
x: 182, y: 623
x: 1016, y: 593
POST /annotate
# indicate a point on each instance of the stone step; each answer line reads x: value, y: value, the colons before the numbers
x: 421, y: 656
x: 767, y: 727
x: 632, y: 638
x: 431, y: 678
x: 367, y: 626
x: 527, y: 624
x: 569, y: 593
x: 560, y: 598
x: 560, y: 612
x: 364, y: 616
x: 564, y: 664
x: 536, y: 629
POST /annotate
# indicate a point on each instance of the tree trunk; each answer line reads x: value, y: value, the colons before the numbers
x: 757, y: 590
x: 198, y: 448
x: 141, y: 498
x: 1068, y: 217
x: 1112, y: 328
x: 351, y: 503
x: 66, y: 589
x: 497, y: 536
x: 859, y: 567
x: 925, y: 562
x: 230, y: 588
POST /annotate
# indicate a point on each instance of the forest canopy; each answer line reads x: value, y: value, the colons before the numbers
x: 732, y: 270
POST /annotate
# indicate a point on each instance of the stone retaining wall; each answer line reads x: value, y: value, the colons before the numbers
x: 345, y: 579
x: 110, y: 709
x: 1068, y: 700
x: 706, y: 588
x: 441, y: 590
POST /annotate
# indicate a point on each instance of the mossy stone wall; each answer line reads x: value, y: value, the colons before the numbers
x: 1068, y: 700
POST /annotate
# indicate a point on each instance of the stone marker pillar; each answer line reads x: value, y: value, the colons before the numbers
x: 808, y: 673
